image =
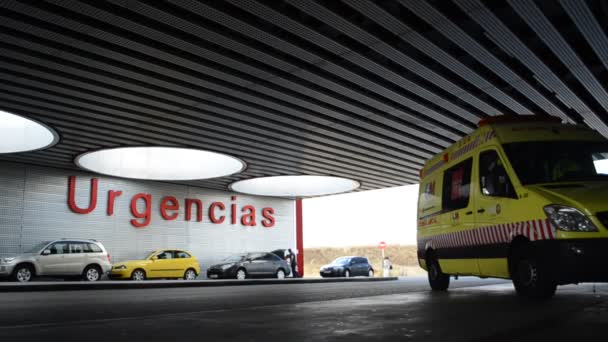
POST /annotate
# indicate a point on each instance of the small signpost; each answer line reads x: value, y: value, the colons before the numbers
x: 382, y: 246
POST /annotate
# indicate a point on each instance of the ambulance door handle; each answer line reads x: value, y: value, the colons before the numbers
x: 482, y: 210
x: 468, y: 213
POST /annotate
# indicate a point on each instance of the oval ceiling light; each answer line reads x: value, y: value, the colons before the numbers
x: 295, y: 186
x: 19, y: 134
x: 160, y: 163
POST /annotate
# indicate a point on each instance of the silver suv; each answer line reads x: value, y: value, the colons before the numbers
x: 87, y: 259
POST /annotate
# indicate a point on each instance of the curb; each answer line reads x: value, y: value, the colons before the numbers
x: 126, y: 285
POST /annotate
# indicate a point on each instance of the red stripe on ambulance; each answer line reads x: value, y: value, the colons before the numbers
x: 534, y: 230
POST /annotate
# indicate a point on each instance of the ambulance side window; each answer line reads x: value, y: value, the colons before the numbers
x: 493, y: 178
x: 457, y: 186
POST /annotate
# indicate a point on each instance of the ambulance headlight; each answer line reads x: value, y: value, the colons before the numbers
x: 569, y: 219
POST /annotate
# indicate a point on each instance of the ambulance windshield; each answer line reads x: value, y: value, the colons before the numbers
x: 558, y: 161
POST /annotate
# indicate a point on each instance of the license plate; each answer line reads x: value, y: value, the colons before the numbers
x: 213, y: 276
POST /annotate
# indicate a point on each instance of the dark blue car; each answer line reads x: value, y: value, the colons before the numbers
x: 348, y: 266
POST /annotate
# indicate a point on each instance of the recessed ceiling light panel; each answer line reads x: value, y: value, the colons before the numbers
x: 19, y: 134
x: 295, y: 186
x: 160, y: 163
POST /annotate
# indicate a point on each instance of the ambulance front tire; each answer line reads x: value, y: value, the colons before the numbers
x: 437, y: 279
x: 531, y: 273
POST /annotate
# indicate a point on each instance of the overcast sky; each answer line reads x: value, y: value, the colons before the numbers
x: 362, y: 219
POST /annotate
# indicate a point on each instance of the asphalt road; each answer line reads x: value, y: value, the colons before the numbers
x: 473, y: 310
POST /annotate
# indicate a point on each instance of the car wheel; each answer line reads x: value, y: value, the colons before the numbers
x: 280, y: 274
x: 23, y: 273
x: 370, y: 273
x: 91, y: 273
x: 531, y: 275
x: 347, y: 274
x: 138, y: 275
x: 241, y: 274
x: 437, y: 279
x: 190, y: 274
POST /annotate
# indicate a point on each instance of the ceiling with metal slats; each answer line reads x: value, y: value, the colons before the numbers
x: 360, y: 89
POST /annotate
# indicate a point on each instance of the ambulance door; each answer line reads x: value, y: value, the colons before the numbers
x: 494, y: 210
x: 452, y: 246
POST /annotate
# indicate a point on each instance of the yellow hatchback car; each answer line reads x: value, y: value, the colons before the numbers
x: 163, y: 263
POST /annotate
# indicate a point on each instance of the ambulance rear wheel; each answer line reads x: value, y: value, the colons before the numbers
x: 437, y: 279
x: 531, y: 275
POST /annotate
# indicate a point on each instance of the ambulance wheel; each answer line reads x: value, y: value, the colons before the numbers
x: 531, y: 275
x: 437, y: 279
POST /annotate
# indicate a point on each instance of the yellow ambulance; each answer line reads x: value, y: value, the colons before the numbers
x: 522, y: 198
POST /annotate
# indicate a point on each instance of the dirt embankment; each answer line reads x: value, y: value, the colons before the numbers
x: 403, y: 258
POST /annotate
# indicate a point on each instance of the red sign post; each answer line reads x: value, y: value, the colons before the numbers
x: 382, y: 246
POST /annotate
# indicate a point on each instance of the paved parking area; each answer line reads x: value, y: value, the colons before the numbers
x: 55, y: 285
x: 473, y: 310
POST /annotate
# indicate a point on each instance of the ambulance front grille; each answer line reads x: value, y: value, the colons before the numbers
x: 603, y: 217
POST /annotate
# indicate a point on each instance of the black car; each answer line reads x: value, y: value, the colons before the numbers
x: 348, y: 266
x: 250, y: 265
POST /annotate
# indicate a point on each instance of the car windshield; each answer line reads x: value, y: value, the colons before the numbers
x: 38, y: 247
x: 341, y: 261
x: 234, y: 258
x: 558, y: 161
x: 151, y: 254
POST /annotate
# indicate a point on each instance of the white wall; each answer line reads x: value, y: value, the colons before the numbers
x: 34, y: 207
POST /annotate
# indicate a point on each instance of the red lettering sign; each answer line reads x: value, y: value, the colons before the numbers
x: 199, y: 209
x: 146, y: 215
x: 169, y: 208
x: 268, y: 221
x: 72, y: 196
x: 249, y: 218
x: 212, y: 211
x: 112, y: 195
x: 169, y: 203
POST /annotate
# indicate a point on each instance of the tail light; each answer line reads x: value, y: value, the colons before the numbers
x: 108, y: 257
